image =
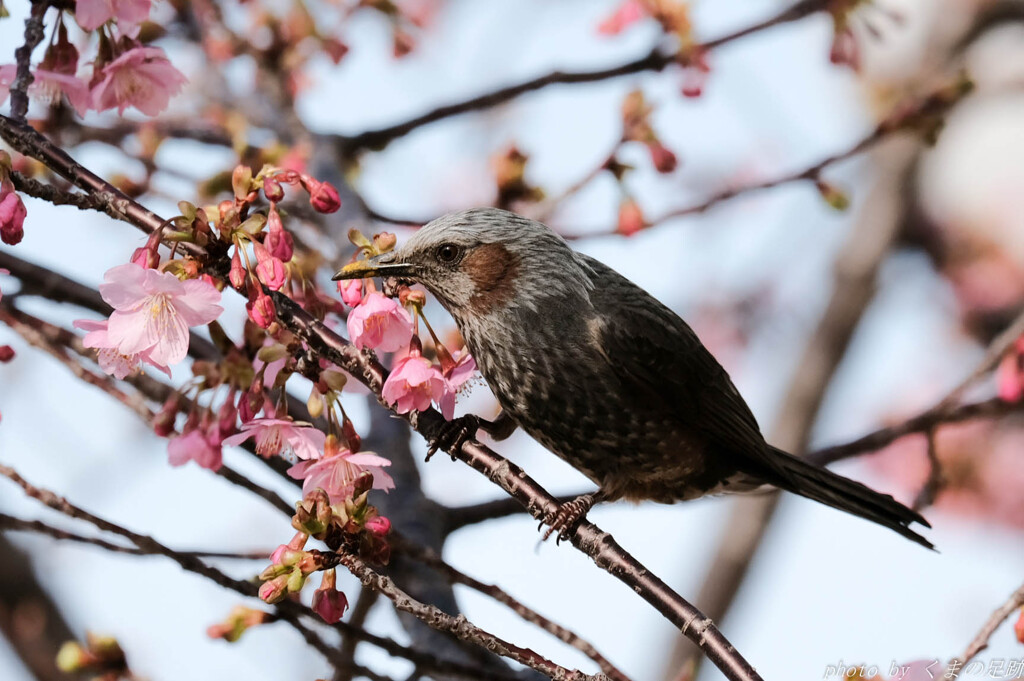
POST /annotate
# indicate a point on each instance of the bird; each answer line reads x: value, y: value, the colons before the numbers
x: 601, y: 373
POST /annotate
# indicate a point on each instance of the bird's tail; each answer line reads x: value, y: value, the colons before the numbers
x: 824, y: 486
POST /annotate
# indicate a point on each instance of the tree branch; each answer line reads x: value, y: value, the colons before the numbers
x: 980, y: 641
x: 655, y: 60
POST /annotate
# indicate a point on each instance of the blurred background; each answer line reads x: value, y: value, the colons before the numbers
x: 832, y: 322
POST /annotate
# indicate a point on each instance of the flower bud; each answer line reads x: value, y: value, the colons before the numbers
x: 328, y: 602
x: 631, y: 218
x: 272, y: 189
x: 12, y: 218
x: 315, y: 403
x: 163, y: 422
x: 274, y: 590
x: 6, y: 353
x: 384, y: 242
x: 236, y: 275
x: 662, y: 158
x: 379, y: 526
x: 322, y: 195
x: 241, y: 181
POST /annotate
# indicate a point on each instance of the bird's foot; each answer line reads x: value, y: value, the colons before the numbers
x: 453, y: 435
x: 567, y: 517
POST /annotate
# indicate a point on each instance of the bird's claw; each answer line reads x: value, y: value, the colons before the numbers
x: 566, y: 518
x: 453, y: 435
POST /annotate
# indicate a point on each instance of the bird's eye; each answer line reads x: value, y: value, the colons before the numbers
x: 449, y: 254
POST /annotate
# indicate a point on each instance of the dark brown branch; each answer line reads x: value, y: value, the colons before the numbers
x: 461, y: 516
x: 23, y: 57
x: 55, y: 195
x: 655, y: 60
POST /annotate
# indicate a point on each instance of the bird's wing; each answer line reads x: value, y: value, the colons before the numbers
x: 656, y: 353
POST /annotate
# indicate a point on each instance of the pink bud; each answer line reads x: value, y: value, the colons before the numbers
x: 379, y: 526
x: 663, y: 159
x: 272, y: 189
x: 261, y: 310
x: 351, y: 291
x: 1018, y: 627
x: 278, y: 241
x: 274, y: 591
x: 322, y: 195
x: 12, y: 218
x: 6, y: 353
x: 163, y: 422
x: 236, y: 275
x: 269, y: 269
x: 631, y: 218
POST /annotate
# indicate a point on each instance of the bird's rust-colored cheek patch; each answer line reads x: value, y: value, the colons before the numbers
x: 492, y: 269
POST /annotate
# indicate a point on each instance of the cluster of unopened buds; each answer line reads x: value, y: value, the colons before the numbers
x: 125, y: 72
x: 12, y: 210
x: 352, y: 527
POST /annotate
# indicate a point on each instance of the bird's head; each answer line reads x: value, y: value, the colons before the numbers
x: 480, y: 261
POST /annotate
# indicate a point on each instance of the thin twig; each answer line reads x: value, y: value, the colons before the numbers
x: 456, y: 576
x: 11, y: 523
x: 980, y: 641
x: 458, y: 625
x: 655, y: 60
x: 288, y: 611
x: 936, y: 479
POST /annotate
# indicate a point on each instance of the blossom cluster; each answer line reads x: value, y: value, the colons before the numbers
x: 124, y: 73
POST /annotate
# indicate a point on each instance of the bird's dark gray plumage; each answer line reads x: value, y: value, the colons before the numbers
x: 601, y: 373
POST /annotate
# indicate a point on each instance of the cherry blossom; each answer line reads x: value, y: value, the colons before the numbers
x: 414, y: 383
x: 336, y: 473
x: 141, y: 77
x: 195, y: 445
x: 154, y: 310
x: 110, y: 359
x: 49, y: 86
x: 379, y: 323
x: 91, y: 14
x: 274, y: 436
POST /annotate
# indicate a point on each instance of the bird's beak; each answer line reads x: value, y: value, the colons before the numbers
x: 379, y: 266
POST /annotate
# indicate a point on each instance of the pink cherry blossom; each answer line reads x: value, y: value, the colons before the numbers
x: 336, y: 472
x: 141, y: 77
x: 351, y: 291
x: 629, y: 12
x: 110, y: 360
x: 91, y: 14
x: 414, y: 383
x: 197, y: 446
x: 274, y: 436
x: 379, y: 323
x: 461, y: 371
x: 48, y: 87
x: 154, y: 310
